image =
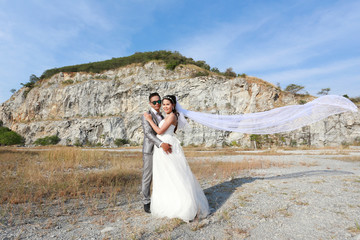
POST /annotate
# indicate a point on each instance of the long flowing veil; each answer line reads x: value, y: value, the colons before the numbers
x: 282, y: 119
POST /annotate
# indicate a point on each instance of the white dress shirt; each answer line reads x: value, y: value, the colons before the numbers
x: 157, y: 114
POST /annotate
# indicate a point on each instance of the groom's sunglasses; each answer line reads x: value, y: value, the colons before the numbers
x: 155, y: 102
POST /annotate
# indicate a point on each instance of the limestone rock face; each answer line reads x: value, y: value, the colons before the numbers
x: 99, y: 108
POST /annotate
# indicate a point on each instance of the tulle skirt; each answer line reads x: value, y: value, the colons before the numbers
x: 176, y: 192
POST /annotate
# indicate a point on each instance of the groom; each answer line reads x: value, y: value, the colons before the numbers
x: 150, y: 140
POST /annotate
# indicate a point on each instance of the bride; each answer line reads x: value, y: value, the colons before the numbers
x: 176, y: 192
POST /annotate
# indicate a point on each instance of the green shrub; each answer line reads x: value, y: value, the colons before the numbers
x: 4, y: 129
x: 230, y: 73
x: 357, y: 141
x: 68, y: 82
x: 89, y: 143
x: 120, y: 142
x: 355, y: 100
x: 202, y: 64
x: 172, y: 65
x: 234, y: 143
x: 261, y: 140
x: 77, y: 143
x: 8, y: 137
x: 226, y: 144
x: 200, y: 73
x: 215, y: 70
x: 257, y: 139
x: 49, y: 140
x: 293, y: 143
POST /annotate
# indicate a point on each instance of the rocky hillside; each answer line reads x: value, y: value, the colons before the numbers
x: 97, y: 108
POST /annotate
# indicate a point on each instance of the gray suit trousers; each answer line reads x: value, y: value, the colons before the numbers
x: 146, y: 177
x: 150, y: 140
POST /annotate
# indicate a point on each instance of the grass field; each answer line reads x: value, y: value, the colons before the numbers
x: 35, y: 181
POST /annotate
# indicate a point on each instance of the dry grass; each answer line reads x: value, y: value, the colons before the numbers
x: 230, y: 152
x: 68, y: 173
x: 348, y: 158
x: 59, y: 181
x: 63, y: 173
x: 309, y: 164
x: 207, y: 168
x: 169, y: 226
x: 309, y: 148
x: 355, y: 229
x: 196, y: 225
x: 192, y: 152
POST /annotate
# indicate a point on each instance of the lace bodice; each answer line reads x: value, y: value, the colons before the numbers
x: 169, y: 131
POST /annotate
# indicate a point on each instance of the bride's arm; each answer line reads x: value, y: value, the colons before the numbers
x: 168, y: 121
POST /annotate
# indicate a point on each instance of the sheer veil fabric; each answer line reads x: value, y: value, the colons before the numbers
x: 282, y: 119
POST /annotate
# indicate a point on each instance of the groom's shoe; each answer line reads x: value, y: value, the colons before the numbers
x: 147, y: 208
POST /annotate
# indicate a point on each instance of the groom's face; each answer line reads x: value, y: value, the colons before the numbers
x: 157, y: 105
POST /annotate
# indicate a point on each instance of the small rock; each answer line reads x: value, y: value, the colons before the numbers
x: 107, y: 229
x: 357, y: 237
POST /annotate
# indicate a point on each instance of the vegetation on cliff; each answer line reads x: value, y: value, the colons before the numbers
x: 49, y: 140
x: 171, y: 59
x: 31, y: 84
x: 8, y: 137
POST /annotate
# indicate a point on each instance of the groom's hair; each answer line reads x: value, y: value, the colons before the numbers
x: 154, y: 94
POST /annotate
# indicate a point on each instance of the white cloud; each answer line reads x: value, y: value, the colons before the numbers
x: 214, y: 44
x: 39, y: 34
x: 303, y: 39
x: 274, y: 41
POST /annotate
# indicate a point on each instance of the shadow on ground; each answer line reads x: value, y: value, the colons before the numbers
x: 218, y: 194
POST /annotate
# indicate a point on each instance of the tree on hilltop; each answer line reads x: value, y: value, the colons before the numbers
x: 230, y: 72
x: 324, y: 91
x: 293, y: 88
x: 32, y: 80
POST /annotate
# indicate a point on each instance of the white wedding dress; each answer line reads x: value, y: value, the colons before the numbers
x: 176, y: 192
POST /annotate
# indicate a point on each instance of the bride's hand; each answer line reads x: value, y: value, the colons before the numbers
x: 148, y: 116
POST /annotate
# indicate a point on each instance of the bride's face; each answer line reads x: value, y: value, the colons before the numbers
x: 167, y: 106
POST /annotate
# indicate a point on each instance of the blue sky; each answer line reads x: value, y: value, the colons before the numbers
x: 315, y: 44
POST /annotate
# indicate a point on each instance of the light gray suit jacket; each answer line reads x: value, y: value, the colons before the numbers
x: 150, y: 138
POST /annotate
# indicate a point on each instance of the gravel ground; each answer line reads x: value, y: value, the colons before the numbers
x: 314, y: 197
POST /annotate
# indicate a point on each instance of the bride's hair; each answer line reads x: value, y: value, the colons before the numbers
x: 172, y: 99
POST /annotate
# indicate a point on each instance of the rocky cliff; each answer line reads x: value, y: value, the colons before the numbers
x: 99, y: 108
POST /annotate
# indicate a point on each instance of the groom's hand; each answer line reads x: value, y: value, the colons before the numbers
x: 166, y: 147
